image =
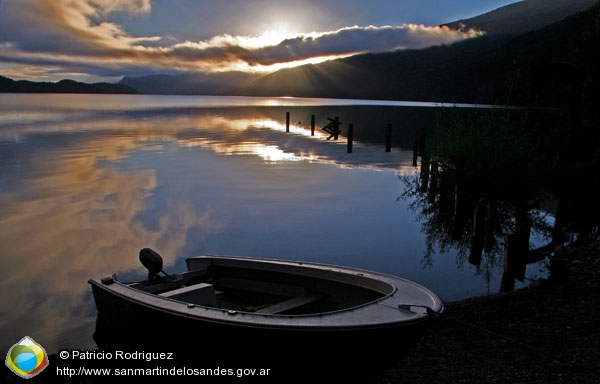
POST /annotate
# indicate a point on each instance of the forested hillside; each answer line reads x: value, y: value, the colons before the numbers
x: 489, y: 69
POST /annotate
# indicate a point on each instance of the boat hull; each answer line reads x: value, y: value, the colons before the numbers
x: 368, y: 334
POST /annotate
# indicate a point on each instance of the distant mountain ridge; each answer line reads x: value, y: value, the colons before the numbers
x: 218, y: 83
x: 63, y: 86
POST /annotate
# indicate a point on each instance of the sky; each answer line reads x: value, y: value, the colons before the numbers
x: 104, y: 40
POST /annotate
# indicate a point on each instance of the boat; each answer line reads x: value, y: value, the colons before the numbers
x: 247, y: 307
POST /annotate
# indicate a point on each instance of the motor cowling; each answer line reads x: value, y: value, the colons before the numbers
x: 152, y: 261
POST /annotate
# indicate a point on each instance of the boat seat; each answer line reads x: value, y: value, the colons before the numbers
x: 201, y: 294
x: 292, y: 303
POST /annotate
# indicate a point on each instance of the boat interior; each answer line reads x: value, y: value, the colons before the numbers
x: 268, y: 291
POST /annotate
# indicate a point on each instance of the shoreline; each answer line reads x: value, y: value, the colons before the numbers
x: 547, y: 333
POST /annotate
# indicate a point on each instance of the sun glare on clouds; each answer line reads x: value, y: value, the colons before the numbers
x: 82, y: 39
x: 268, y: 38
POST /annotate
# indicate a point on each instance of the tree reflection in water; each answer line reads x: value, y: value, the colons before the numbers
x: 490, y: 179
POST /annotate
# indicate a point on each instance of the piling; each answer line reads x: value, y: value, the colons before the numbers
x: 492, y: 214
x: 287, y: 121
x: 421, y: 141
x: 333, y: 128
x: 425, y: 172
x: 350, y: 137
x: 388, y: 138
x: 517, y: 244
x: 415, y: 152
x: 336, y: 131
x: 312, y: 125
x: 514, y: 257
x: 458, y: 220
x: 480, y: 213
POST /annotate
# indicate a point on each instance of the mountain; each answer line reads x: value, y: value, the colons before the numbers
x: 493, y: 69
x: 490, y: 69
x: 63, y: 86
x: 190, y: 84
x: 469, y: 71
x: 523, y: 16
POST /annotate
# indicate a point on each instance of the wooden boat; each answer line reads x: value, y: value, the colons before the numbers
x: 266, y: 307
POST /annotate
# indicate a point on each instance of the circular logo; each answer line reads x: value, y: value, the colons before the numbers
x: 27, y: 358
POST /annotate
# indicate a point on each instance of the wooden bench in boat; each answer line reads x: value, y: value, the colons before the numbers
x: 201, y: 294
x: 292, y: 303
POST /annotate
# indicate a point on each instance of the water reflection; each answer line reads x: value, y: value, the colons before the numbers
x: 86, y: 183
x: 83, y: 188
x: 505, y: 191
x: 63, y: 217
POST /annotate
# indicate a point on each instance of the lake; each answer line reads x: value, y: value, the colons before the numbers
x: 86, y: 181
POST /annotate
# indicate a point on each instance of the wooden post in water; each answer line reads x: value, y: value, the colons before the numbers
x: 388, y: 138
x: 415, y: 150
x: 350, y: 137
x: 332, y: 128
x: 517, y: 244
x: 514, y: 259
x: 425, y: 172
x: 479, y: 222
x: 312, y: 125
x: 458, y: 221
x: 421, y: 141
x: 287, y: 121
x: 491, y: 222
x: 336, y: 131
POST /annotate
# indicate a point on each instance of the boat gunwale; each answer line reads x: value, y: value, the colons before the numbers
x: 253, y: 319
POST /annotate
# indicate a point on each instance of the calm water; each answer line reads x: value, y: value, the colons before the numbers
x: 88, y: 180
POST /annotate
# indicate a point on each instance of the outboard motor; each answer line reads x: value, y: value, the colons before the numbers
x: 153, y: 263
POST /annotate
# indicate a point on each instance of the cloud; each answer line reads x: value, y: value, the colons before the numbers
x: 68, y: 26
x: 352, y: 40
x: 78, y: 36
x: 81, y: 217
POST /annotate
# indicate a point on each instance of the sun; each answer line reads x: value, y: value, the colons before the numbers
x: 268, y: 38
